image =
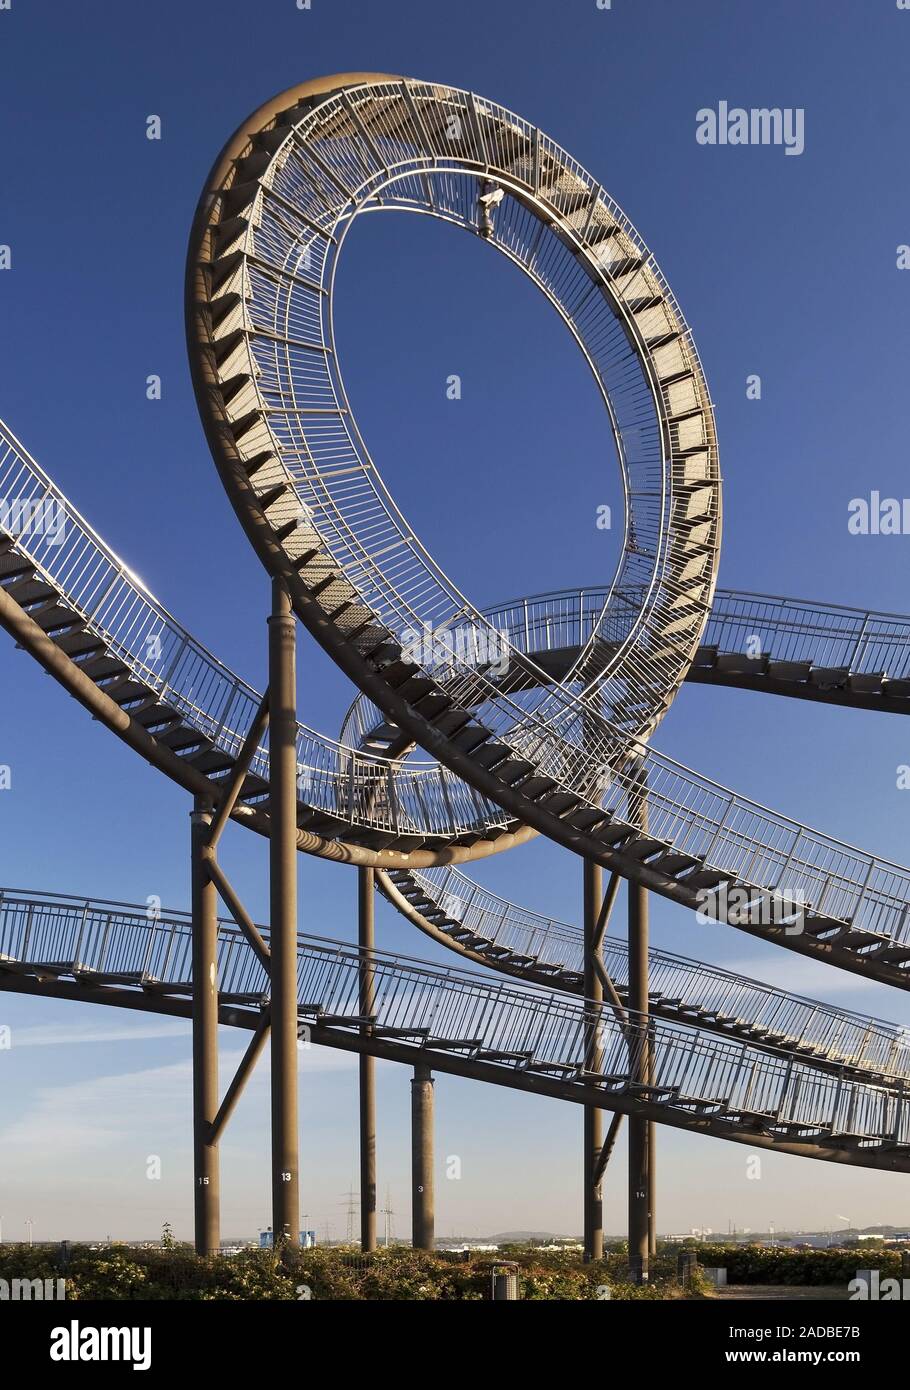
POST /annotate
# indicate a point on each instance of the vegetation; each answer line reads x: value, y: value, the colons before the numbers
x: 173, y: 1271
x: 759, y: 1264
x: 399, y: 1273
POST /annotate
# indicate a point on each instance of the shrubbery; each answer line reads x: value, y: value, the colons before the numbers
x: 399, y: 1273
x: 175, y: 1272
x: 758, y: 1264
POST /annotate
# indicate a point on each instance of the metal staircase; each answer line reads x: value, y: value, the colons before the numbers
x: 785, y: 646
x: 809, y: 650
x: 563, y: 757
x: 781, y: 646
x: 554, y: 743
x: 516, y: 1035
x: 454, y: 909
x: 307, y: 492
x: 182, y: 708
x: 185, y: 711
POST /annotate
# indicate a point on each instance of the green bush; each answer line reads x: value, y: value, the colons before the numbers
x: 758, y: 1264
x: 399, y: 1273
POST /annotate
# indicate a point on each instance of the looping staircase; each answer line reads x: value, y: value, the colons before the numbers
x: 555, y: 743
x: 309, y: 497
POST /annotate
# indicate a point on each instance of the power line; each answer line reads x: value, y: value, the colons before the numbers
x: 352, y: 1210
x: 389, y: 1215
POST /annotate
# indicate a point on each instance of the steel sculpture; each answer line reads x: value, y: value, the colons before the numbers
x: 554, y: 740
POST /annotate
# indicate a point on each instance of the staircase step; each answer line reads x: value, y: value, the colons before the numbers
x: 503, y: 1055
x: 796, y: 671
x: 536, y: 787
x: 644, y: 848
x: 74, y: 644
x: 470, y: 738
x: 451, y: 720
x: 674, y: 863
x: 491, y: 755
x: 706, y: 878
x: 871, y: 683
x: 614, y: 832
x: 737, y: 663
x: 513, y: 769
x: 829, y: 677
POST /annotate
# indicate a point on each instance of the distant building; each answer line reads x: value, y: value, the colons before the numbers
x: 307, y: 1239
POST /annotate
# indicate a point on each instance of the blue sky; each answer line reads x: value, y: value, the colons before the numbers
x: 784, y: 267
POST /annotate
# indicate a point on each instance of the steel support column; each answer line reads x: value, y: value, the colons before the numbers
x: 206, y: 1171
x: 593, y: 1117
x: 283, y: 900
x: 652, y: 1188
x: 640, y: 1049
x: 422, y: 1209
x: 366, y: 900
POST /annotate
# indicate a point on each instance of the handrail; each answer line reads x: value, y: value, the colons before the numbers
x: 523, y: 1027
x: 118, y: 607
x: 687, y: 810
x: 842, y: 1035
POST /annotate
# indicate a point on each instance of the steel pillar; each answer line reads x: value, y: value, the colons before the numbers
x: 422, y: 1208
x: 593, y: 1117
x: 640, y: 1048
x: 652, y: 1188
x: 283, y: 901
x: 206, y: 1170
x: 366, y: 900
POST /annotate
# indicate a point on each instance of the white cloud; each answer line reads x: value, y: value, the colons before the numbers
x: 67, y: 1035
x: 93, y: 1113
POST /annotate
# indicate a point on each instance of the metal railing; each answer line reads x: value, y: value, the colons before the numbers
x: 687, y: 812
x: 115, y: 606
x: 823, y: 635
x: 870, y: 1044
x: 327, y: 171
x: 818, y: 635
x: 691, y: 814
x: 522, y: 1028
